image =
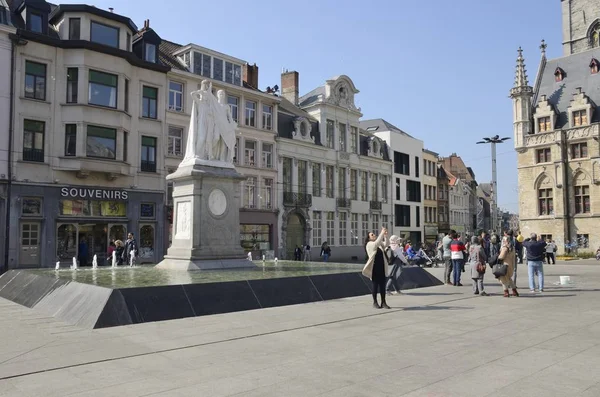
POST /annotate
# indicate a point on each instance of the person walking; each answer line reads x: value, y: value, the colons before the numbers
x: 535, y: 261
x: 325, y: 251
x: 397, y: 259
x: 376, y: 267
x: 307, y: 253
x: 130, y: 246
x: 83, y: 252
x: 477, y: 259
x: 457, y: 252
x: 508, y: 257
x: 519, y: 246
x: 447, y: 255
x: 550, y: 251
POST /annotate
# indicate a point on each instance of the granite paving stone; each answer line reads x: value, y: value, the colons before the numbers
x: 438, y: 341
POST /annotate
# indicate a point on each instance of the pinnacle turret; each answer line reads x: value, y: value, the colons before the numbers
x: 521, y: 73
x: 521, y: 81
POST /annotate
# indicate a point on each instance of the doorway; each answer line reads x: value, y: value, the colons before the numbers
x: 294, y: 235
x: 30, y: 244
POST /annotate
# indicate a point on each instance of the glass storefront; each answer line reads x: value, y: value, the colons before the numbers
x: 255, y: 238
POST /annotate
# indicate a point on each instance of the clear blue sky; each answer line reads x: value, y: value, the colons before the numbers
x: 441, y: 70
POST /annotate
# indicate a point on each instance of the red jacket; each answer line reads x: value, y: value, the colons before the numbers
x: 457, y: 249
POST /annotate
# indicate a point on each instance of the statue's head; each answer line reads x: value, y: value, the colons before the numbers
x: 205, y: 85
x: 222, y: 97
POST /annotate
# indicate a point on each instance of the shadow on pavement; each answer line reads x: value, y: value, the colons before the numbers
x: 436, y: 308
x: 431, y: 293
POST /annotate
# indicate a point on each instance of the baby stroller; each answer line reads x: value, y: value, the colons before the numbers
x: 421, y: 259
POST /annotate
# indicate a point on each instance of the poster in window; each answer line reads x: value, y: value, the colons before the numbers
x: 147, y: 210
x: 113, y: 208
x: 32, y: 206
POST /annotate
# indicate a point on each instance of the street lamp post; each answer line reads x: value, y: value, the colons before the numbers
x: 493, y: 141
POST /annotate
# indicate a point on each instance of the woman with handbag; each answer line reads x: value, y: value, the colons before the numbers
x: 477, y: 260
x: 505, y: 266
x: 376, y: 267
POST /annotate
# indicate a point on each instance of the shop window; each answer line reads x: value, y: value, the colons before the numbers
x: 146, y: 243
x: 147, y: 211
x: 66, y: 242
x: 255, y: 237
x: 93, y: 208
x: 31, y: 206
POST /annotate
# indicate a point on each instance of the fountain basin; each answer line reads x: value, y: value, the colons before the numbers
x: 108, y: 297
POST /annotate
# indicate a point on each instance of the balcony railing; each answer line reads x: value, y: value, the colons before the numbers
x: 148, y: 166
x: 297, y: 199
x: 343, y: 202
x: 375, y: 205
x: 33, y: 155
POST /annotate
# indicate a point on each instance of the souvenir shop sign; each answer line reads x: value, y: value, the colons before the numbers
x: 94, y: 194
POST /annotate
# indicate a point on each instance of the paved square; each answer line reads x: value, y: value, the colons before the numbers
x: 440, y: 341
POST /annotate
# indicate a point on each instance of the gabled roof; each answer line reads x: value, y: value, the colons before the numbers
x: 62, y: 8
x: 165, y: 55
x: 289, y: 107
x: 379, y: 125
x: 577, y: 70
x: 312, y: 96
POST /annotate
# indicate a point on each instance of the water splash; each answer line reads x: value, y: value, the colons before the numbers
x: 74, y: 265
x: 57, y: 266
x: 114, y: 259
x: 95, y: 262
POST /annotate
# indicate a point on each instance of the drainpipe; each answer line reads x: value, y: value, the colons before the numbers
x: 565, y: 163
x: 14, y: 42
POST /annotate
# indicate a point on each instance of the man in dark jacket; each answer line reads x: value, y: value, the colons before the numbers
x: 536, y: 250
x: 130, y: 245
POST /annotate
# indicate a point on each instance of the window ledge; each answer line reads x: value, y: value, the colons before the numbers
x: 35, y: 100
x: 182, y: 112
x: 90, y: 105
x: 175, y: 156
x: 586, y: 215
x: 32, y: 162
x: 150, y: 119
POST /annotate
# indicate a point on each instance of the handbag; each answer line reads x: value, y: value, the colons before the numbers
x: 480, y: 268
x: 500, y: 269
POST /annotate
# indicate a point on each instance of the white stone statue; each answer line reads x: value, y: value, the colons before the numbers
x: 211, y: 134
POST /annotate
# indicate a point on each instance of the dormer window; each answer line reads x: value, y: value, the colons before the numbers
x: 150, y: 52
x: 74, y: 28
x: 559, y: 75
x: 580, y: 118
x: 35, y: 21
x: 594, y: 66
x: 544, y: 124
x: 104, y: 34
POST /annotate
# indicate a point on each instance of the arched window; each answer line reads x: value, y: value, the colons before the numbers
x: 595, y: 37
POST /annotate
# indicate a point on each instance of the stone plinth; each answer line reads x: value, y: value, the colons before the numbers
x: 206, y: 220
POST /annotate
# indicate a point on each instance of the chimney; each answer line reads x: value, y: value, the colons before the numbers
x: 111, y: 9
x: 146, y: 24
x: 250, y: 75
x: 290, y: 86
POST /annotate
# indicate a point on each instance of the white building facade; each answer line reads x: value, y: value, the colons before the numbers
x: 334, y: 177
x: 459, y: 206
x: 89, y: 128
x: 256, y: 115
x: 407, y: 178
x: 6, y: 29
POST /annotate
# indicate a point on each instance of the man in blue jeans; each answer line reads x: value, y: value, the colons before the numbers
x: 458, y: 251
x: 535, y: 260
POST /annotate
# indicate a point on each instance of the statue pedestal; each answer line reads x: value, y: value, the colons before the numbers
x: 206, y: 220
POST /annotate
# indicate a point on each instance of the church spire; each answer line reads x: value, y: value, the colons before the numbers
x: 521, y: 73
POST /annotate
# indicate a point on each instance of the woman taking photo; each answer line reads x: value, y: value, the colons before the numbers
x: 376, y: 267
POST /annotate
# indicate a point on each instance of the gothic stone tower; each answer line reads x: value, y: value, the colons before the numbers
x: 581, y: 25
x: 557, y: 134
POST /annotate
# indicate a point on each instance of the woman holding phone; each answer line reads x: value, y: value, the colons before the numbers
x: 376, y: 267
